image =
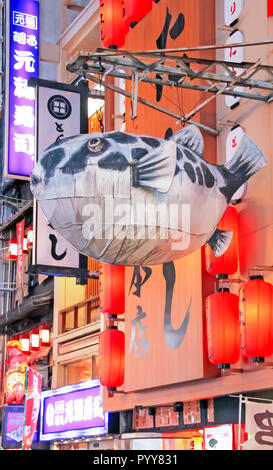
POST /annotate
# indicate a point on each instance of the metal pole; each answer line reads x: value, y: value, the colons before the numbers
x: 150, y: 104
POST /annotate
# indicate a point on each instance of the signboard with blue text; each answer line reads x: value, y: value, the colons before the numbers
x: 22, y: 63
x: 73, y: 411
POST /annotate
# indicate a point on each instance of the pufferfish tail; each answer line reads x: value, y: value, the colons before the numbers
x: 247, y: 160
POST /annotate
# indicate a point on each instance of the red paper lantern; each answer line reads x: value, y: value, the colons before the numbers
x: 228, y: 262
x: 111, y: 357
x: 12, y: 249
x: 223, y: 328
x: 29, y: 237
x: 44, y: 333
x: 256, y: 315
x: 112, y: 26
x: 34, y: 340
x: 135, y: 11
x: 25, y: 343
x: 113, y: 289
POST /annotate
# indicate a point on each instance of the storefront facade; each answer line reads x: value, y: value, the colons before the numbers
x: 160, y: 377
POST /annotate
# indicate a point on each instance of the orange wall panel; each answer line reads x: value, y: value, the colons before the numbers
x: 149, y: 361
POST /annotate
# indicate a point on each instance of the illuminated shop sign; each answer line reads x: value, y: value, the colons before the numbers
x: 22, y: 64
x: 12, y: 427
x: 73, y: 411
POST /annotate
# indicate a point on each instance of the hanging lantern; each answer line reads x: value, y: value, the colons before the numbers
x: 256, y: 315
x: 29, y: 237
x: 44, y: 333
x: 111, y: 357
x: 34, y: 340
x: 228, y: 262
x: 25, y: 248
x: 112, y: 26
x: 223, y: 328
x: 25, y: 343
x: 113, y: 289
x: 13, y: 249
x: 135, y: 11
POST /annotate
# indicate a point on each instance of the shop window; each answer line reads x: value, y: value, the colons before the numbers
x: 81, y: 371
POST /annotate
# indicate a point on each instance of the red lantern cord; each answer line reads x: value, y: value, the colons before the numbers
x: 256, y: 314
x: 111, y: 357
x: 228, y: 262
x: 223, y: 328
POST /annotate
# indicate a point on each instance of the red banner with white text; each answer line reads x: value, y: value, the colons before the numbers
x: 32, y: 406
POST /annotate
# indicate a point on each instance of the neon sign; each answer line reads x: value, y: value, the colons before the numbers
x: 23, y: 63
x: 73, y: 411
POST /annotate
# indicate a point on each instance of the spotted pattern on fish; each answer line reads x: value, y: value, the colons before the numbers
x: 209, y: 178
x: 151, y: 141
x: 51, y: 160
x: 114, y: 161
x: 138, y: 153
x: 122, y: 138
x: 199, y: 176
x: 190, y: 171
x: 189, y: 155
x: 179, y: 154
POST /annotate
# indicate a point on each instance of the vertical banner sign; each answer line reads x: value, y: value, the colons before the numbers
x: 233, y: 139
x: 22, y: 64
x: 234, y: 54
x: 59, y: 116
x: 20, y: 232
x: 233, y: 9
x: 32, y: 406
x: 259, y: 424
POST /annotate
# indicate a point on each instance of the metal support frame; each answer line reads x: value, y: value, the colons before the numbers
x: 161, y: 68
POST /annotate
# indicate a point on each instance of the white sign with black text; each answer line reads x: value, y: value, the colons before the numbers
x: 58, y: 117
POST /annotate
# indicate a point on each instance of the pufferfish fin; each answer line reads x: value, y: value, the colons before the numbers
x: 191, y: 137
x: 156, y: 169
x: 220, y: 241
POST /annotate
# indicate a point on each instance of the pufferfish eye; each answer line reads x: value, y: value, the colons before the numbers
x: 95, y: 144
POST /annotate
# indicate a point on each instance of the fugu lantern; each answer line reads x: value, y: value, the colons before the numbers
x: 227, y: 263
x: 111, y: 357
x: 112, y: 289
x: 256, y: 315
x: 135, y: 11
x: 112, y: 26
x: 223, y: 328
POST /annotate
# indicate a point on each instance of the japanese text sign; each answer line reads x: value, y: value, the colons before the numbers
x: 23, y: 63
x: 32, y: 406
x: 233, y: 9
x: 73, y: 411
x: 259, y: 424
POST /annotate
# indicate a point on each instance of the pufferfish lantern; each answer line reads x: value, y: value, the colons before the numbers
x: 136, y: 200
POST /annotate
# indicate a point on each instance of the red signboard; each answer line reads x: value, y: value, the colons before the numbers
x: 269, y: 8
x: 20, y: 230
x: 32, y: 406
